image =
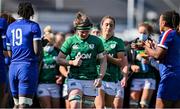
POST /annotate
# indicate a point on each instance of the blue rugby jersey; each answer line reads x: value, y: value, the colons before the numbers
x: 3, y: 28
x: 20, y: 36
x: 170, y: 40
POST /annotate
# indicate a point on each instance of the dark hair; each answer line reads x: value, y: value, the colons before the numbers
x: 8, y: 17
x: 82, y: 20
x: 25, y: 10
x: 108, y: 17
x: 171, y: 18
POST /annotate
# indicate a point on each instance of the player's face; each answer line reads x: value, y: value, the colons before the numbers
x: 83, y: 33
x: 142, y: 30
x: 95, y: 32
x: 161, y: 24
x: 108, y: 26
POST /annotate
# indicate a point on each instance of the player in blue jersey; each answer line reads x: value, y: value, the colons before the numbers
x: 3, y: 26
x: 168, y: 52
x: 24, y: 46
x: 5, y: 20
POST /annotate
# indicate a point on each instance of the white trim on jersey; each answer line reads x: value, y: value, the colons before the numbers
x: 36, y: 38
x: 3, y: 36
x: 100, y: 56
x: 8, y: 44
x: 163, y: 46
x: 163, y: 39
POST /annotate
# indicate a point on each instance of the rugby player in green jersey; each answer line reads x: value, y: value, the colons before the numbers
x: 83, y: 50
x: 48, y: 91
x: 111, y: 92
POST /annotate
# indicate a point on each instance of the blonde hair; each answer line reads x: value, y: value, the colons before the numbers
x: 48, y: 34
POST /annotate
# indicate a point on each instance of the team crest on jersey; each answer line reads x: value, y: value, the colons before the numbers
x: 113, y: 46
x: 91, y: 46
x: 75, y: 46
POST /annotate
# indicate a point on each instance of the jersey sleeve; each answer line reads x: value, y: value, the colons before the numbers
x: 3, y: 28
x: 8, y: 43
x: 4, y: 40
x: 66, y: 47
x: 36, y: 32
x: 120, y: 46
x: 165, y: 39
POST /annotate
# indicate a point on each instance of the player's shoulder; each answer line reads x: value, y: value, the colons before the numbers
x: 117, y: 39
x: 33, y: 23
x: 95, y: 38
x: 3, y: 23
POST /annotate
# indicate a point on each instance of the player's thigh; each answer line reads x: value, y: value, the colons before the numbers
x: 100, y: 100
x: 45, y: 101
x: 109, y: 99
x: 136, y: 88
x: 118, y: 102
x: 13, y: 78
x: 28, y: 79
x: 74, y: 90
x: 55, y: 102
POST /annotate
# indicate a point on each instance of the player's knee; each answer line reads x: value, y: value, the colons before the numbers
x: 88, y: 103
x: 25, y: 102
x: 134, y: 103
x: 144, y: 103
x: 76, y: 98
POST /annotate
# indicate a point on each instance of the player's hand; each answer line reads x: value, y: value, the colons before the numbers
x: 59, y: 79
x: 98, y: 82
x: 135, y: 68
x: 77, y: 61
x: 124, y: 81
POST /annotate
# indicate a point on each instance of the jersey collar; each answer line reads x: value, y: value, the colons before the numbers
x: 82, y: 40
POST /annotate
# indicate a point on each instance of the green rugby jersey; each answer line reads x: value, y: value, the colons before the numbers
x: 89, y: 48
x: 49, y: 68
x: 112, y: 46
x: 141, y: 74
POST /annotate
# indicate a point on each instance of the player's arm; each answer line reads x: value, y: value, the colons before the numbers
x: 157, y: 53
x: 116, y: 61
x: 162, y: 47
x: 8, y: 44
x: 124, y: 68
x: 63, y: 70
x: 37, y: 45
x: 38, y: 48
x: 61, y: 59
x: 103, y: 64
x: 120, y: 48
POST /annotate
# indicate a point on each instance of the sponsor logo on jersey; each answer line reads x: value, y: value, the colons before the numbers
x: 75, y: 46
x: 91, y: 46
x: 113, y: 46
x: 46, y: 66
x: 84, y: 55
x: 112, y: 55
